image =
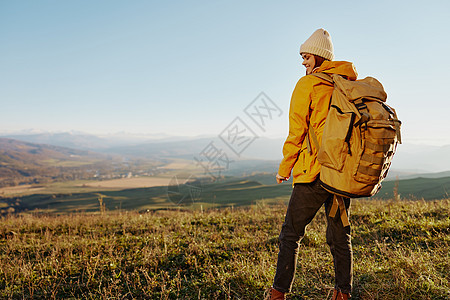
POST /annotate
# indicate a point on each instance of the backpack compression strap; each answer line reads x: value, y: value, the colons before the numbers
x: 339, y: 202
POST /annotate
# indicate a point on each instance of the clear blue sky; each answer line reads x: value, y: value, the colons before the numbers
x: 191, y: 67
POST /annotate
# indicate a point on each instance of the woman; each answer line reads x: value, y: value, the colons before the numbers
x: 309, y: 107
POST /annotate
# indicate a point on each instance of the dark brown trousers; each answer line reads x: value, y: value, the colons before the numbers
x: 306, y: 200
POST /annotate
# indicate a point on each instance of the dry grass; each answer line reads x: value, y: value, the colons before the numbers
x: 19, y: 190
x: 85, y: 186
x: 401, y: 251
x: 129, y: 183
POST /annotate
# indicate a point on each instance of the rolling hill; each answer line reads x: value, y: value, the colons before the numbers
x: 22, y: 162
x: 247, y: 181
x: 227, y: 192
x: 29, y: 163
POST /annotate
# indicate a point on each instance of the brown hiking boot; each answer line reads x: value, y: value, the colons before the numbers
x: 273, y: 294
x: 337, y: 295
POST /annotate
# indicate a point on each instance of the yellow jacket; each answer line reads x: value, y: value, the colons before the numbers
x: 309, y: 105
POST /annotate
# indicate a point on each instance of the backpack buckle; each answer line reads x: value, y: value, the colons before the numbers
x: 361, y: 106
x: 365, y: 117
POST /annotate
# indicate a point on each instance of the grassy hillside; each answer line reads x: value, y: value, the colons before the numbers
x: 417, y: 188
x: 401, y: 251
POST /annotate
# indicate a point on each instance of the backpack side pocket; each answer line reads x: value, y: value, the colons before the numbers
x: 336, y: 140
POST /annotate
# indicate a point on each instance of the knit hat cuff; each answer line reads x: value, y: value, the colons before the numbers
x: 317, y: 51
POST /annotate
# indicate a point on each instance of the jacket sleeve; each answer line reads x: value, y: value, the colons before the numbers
x: 299, y: 112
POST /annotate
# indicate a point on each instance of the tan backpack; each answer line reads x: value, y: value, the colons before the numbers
x: 360, y: 137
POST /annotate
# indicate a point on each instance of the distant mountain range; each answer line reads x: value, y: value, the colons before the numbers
x: 410, y: 160
x: 85, y: 141
x: 15, y: 152
x: 70, y: 140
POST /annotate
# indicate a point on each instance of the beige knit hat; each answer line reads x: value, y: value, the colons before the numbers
x: 319, y: 43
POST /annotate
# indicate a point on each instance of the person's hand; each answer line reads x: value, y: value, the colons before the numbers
x: 280, y: 178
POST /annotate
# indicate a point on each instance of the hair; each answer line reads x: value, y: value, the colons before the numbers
x: 318, y: 61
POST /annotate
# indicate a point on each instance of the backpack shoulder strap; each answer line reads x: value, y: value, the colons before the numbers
x: 311, y: 134
x: 324, y: 76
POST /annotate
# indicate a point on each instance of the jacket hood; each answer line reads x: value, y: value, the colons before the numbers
x: 343, y: 68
